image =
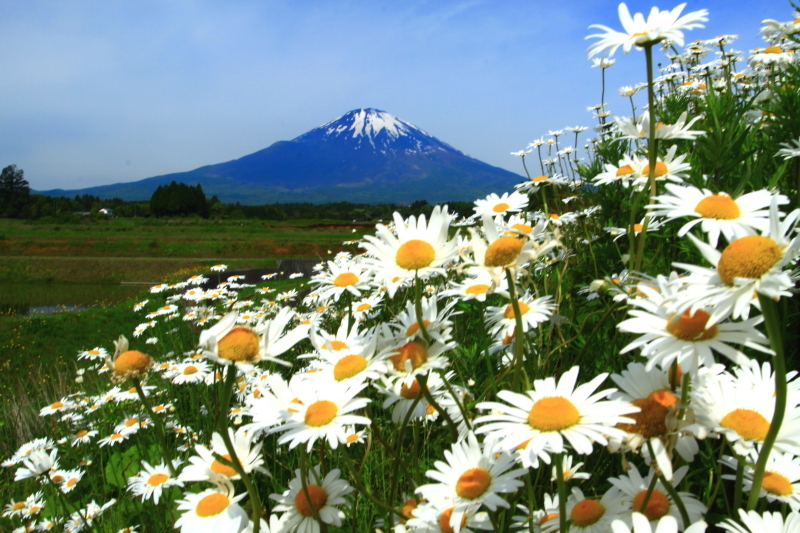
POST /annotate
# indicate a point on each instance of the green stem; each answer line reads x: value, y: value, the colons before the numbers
x: 162, y: 437
x: 66, y: 505
x: 418, y: 310
x: 355, y: 479
x: 769, y: 308
x: 398, y: 444
x: 558, y: 462
x: 650, y: 488
x: 519, y: 335
x: 304, y: 481
x: 652, y: 149
x: 255, y: 499
x: 676, y: 499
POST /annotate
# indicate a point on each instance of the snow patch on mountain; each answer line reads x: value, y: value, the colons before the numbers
x: 384, y: 133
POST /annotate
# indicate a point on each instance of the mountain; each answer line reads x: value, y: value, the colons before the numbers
x: 366, y: 155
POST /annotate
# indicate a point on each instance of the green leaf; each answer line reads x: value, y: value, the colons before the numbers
x: 121, y: 466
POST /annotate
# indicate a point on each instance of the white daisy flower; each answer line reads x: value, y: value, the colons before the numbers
x: 436, y: 518
x: 152, y: 480
x: 471, y: 477
x: 191, y: 372
x: 324, y: 494
x: 716, y: 213
x: 403, y: 394
x: 640, y: 128
x: 533, y: 311
x: 747, y: 265
x: 499, y: 205
x: 420, y: 247
x: 554, y: 411
x: 668, y: 524
x: 206, y: 467
x: 351, y: 276
x: 781, y: 480
x: 476, y: 288
x: 95, y: 354
x: 752, y: 522
x: 634, y: 488
x: 688, y: 338
x: 733, y: 408
x: 323, y: 414
x: 212, y: 511
x: 588, y: 515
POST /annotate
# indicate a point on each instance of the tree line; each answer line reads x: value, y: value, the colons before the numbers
x: 182, y: 200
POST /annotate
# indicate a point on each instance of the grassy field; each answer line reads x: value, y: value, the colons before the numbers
x: 86, y: 264
x: 181, y: 238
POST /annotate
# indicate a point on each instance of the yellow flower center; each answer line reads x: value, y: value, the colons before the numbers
x: 338, y: 345
x: 81, y: 433
x: 407, y: 508
x: 554, y: 216
x: 661, y: 169
x: 345, y: 279
x: 545, y: 518
x: 352, y: 438
x: 587, y: 512
x: 410, y: 392
x: 131, y: 422
x: 157, y: 479
x: 221, y: 468
x: 72, y: 482
x: 349, y: 366
x: 444, y: 521
x: 773, y: 50
x: 413, y: 328
x: 132, y: 361
x: 750, y: 425
x: 115, y: 436
x: 553, y: 413
x: 651, y: 420
x: 321, y: 413
x: 33, y: 510
x: 502, y: 207
x: 523, y: 228
x: 240, y: 344
x: 414, y: 255
x: 57, y: 478
x: 777, y: 484
x: 718, y: 206
x: 503, y: 252
x: 411, y: 351
x: 692, y: 328
x: 363, y: 307
x: 478, y: 288
x: 657, y: 505
x: 473, y: 483
x: 749, y: 257
x: 637, y: 227
x: 212, y: 505
x: 17, y: 506
x: 189, y: 370
x: 56, y: 405
x: 624, y: 170
x: 509, y: 312
x: 318, y: 498
x: 540, y: 178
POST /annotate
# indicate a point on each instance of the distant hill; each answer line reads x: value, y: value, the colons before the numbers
x: 366, y: 156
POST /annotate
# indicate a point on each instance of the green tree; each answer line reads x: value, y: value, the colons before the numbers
x: 14, y: 191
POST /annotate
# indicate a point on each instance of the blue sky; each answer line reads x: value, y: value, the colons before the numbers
x: 98, y: 92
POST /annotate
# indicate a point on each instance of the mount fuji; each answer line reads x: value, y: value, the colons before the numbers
x: 366, y: 155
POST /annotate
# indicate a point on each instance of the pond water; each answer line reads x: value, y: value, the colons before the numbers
x: 29, y: 299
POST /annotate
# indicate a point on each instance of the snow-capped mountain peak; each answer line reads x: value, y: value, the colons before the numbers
x: 377, y: 129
